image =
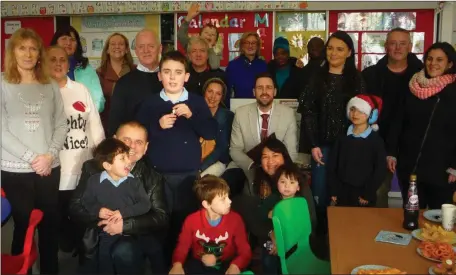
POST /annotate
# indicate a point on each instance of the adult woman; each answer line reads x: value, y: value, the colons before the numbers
x: 322, y: 105
x: 116, y: 61
x: 241, y: 72
x: 80, y: 69
x: 214, y: 91
x: 423, y: 136
x: 85, y: 133
x: 33, y: 131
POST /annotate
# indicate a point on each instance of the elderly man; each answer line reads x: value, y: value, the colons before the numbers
x: 135, y: 86
x: 200, y: 71
x: 389, y: 79
x: 141, y: 234
x: 252, y: 124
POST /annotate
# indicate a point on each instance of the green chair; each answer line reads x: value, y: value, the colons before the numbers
x: 247, y: 272
x: 292, y: 228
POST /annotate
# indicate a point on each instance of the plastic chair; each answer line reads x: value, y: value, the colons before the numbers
x: 292, y: 228
x: 20, y: 264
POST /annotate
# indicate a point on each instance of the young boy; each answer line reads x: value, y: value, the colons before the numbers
x: 357, y: 163
x: 216, y: 236
x: 176, y: 119
x: 113, y: 194
x: 209, y: 33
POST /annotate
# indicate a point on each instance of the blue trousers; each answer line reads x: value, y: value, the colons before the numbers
x: 319, y: 188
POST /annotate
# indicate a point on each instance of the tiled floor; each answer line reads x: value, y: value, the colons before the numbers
x: 68, y: 264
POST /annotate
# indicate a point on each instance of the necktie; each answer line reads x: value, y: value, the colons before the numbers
x: 264, y: 126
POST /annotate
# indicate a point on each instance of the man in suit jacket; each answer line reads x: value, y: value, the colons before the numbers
x: 252, y: 124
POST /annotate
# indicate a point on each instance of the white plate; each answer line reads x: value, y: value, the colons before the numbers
x: 434, y: 215
x: 431, y: 271
x: 418, y: 250
x: 417, y: 235
x: 368, y: 266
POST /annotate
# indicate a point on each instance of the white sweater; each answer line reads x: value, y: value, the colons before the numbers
x: 85, y: 132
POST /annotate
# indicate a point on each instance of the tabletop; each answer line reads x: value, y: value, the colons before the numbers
x: 352, y: 232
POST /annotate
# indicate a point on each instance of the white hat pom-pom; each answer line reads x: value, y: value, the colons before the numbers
x: 374, y: 127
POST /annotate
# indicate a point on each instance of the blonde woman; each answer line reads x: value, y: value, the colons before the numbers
x: 241, y: 72
x: 84, y: 134
x: 116, y: 61
x: 34, y: 128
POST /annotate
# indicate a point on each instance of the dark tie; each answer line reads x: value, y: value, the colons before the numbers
x: 264, y: 126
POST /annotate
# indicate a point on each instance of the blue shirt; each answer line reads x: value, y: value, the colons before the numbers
x: 214, y: 223
x: 364, y: 134
x: 104, y: 175
x: 282, y: 75
x: 183, y: 96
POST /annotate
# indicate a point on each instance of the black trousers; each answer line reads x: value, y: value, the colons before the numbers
x: 349, y: 196
x: 430, y: 195
x: 235, y: 177
x: 194, y: 266
x: 69, y: 235
x: 28, y: 191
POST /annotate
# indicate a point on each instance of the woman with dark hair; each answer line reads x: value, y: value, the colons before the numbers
x: 214, y: 92
x: 423, y: 135
x: 322, y: 105
x: 80, y: 69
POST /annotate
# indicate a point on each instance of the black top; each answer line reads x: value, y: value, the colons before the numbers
x: 129, y: 197
x: 130, y: 91
x: 359, y: 162
x: 323, y: 108
x: 408, y: 130
x: 196, y: 81
x: 291, y: 86
x: 391, y: 87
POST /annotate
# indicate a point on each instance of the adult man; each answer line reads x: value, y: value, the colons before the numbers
x: 127, y: 253
x: 252, y: 124
x: 389, y: 79
x: 200, y: 71
x: 132, y: 88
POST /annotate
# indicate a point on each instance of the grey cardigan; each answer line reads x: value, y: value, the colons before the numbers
x: 33, y: 123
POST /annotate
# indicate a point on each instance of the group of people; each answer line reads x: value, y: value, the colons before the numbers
x: 133, y: 161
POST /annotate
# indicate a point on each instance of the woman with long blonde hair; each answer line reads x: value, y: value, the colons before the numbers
x: 34, y: 128
x: 116, y: 61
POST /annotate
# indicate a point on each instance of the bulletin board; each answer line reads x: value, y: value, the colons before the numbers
x: 44, y: 26
x: 231, y: 26
x: 94, y: 30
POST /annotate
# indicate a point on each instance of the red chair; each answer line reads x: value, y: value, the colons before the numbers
x: 20, y: 264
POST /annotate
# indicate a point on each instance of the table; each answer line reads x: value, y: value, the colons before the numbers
x: 6, y: 209
x: 352, y: 232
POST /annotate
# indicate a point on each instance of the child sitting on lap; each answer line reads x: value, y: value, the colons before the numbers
x: 113, y: 194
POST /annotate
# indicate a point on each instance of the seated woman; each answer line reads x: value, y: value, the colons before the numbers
x: 214, y: 91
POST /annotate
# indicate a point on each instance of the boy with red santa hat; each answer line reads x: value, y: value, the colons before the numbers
x: 357, y: 164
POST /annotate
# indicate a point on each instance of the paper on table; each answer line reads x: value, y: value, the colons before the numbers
x: 393, y: 237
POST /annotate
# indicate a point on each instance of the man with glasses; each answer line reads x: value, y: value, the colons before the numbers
x: 252, y: 124
x: 389, y: 79
x: 134, y: 87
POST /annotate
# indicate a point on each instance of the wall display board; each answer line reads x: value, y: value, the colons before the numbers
x: 299, y: 28
x: 231, y: 26
x: 44, y: 26
x: 94, y: 30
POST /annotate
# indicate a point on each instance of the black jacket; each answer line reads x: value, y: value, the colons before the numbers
x: 291, y: 86
x: 408, y: 130
x: 154, y: 221
x: 196, y: 81
x: 391, y: 87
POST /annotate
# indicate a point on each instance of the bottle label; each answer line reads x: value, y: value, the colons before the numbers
x: 413, y: 203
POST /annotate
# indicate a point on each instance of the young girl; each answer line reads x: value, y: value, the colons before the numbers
x: 289, y: 184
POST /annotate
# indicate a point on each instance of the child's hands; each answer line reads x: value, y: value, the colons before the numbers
x: 270, y: 214
x: 167, y: 121
x: 115, y: 217
x: 177, y: 269
x: 209, y: 259
x: 233, y: 269
x: 105, y: 213
x: 334, y: 199
x: 273, y: 250
x: 192, y: 12
x: 363, y: 201
x: 182, y: 110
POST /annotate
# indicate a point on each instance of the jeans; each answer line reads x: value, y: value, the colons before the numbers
x: 270, y: 263
x: 28, y: 191
x: 105, y: 244
x: 319, y: 189
x: 194, y: 266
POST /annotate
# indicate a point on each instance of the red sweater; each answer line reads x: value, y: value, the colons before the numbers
x: 227, y: 241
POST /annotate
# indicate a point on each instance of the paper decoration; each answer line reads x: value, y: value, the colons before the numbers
x: 12, y: 26
x: 109, y: 7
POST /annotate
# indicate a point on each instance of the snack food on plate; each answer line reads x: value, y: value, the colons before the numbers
x: 447, y: 267
x: 436, y: 233
x: 381, y: 271
x: 437, y: 251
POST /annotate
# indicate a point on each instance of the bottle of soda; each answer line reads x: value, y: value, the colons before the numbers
x: 412, y: 208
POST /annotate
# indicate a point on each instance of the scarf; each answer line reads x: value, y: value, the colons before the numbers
x: 424, y: 88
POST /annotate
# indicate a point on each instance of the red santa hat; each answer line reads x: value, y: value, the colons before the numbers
x: 370, y: 105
